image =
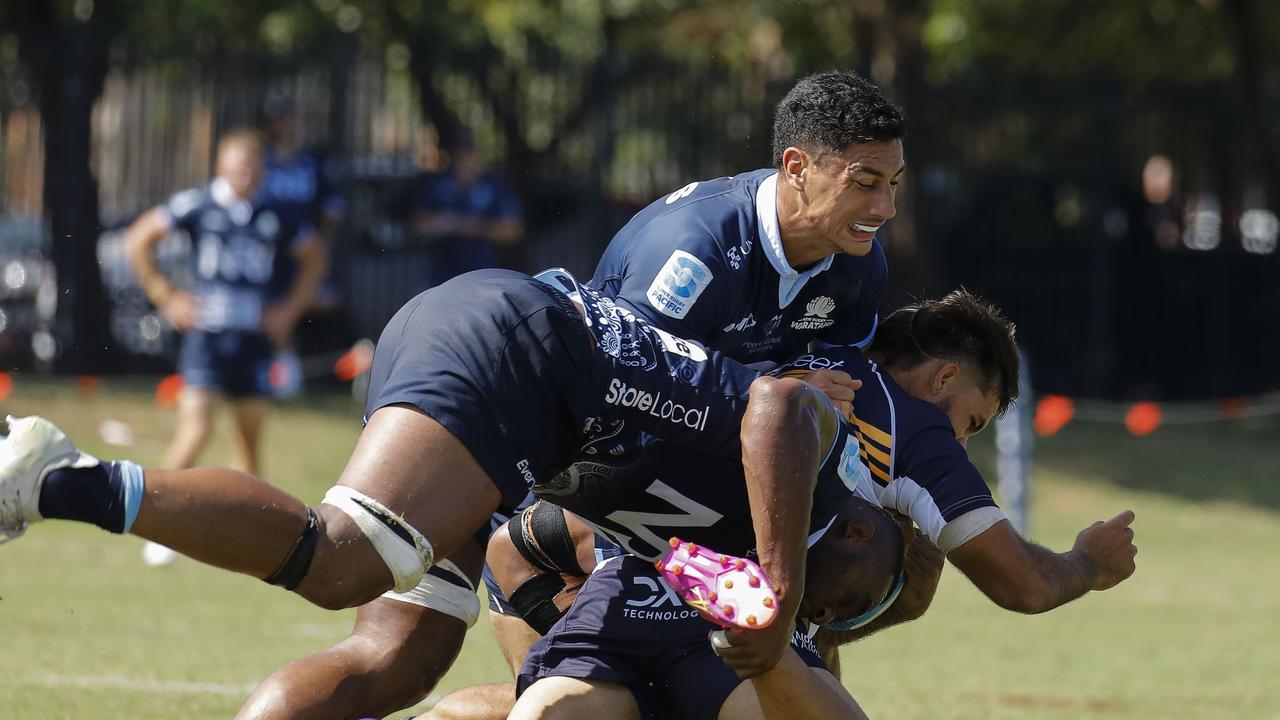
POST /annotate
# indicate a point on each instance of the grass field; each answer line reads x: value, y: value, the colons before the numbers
x: 88, y: 632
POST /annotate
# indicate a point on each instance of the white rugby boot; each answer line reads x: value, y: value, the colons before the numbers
x: 30, y: 448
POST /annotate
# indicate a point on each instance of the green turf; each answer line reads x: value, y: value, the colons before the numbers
x: 87, y: 632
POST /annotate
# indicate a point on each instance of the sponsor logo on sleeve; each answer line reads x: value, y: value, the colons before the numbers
x: 815, y: 314
x: 678, y: 285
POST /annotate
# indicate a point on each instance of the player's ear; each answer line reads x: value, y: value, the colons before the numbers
x: 794, y: 163
x: 857, y: 529
x: 821, y: 616
x: 944, y: 377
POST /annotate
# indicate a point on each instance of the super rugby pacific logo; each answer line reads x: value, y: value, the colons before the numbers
x: 815, y: 314
x: 622, y: 395
x: 678, y: 285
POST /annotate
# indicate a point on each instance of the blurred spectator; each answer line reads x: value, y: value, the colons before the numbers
x: 238, y: 314
x: 465, y: 213
x: 304, y: 185
x: 1162, y: 211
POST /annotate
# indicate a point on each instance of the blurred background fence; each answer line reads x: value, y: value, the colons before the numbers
x: 1120, y: 206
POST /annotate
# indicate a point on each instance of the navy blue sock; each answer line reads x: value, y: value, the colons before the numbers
x: 107, y: 495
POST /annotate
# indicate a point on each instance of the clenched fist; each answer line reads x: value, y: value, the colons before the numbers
x: 838, y: 386
x: 1108, y: 550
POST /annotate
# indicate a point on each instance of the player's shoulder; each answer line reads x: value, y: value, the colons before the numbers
x: 187, y: 201
x: 712, y: 203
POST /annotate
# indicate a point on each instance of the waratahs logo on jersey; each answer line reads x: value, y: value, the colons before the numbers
x: 815, y: 314
x: 678, y: 285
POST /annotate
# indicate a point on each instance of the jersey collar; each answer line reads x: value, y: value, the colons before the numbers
x: 790, y: 280
x: 239, y: 210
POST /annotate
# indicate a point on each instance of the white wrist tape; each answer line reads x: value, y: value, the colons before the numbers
x: 406, y: 560
x: 443, y: 596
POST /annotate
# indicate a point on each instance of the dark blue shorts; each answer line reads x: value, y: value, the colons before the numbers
x: 236, y: 362
x: 629, y: 628
x: 498, y: 359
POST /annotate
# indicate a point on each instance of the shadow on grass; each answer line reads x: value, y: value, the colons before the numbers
x: 1234, y: 461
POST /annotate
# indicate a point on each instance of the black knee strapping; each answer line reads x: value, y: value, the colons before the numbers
x: 295, y: 567
x: 535, y: 601
x: 541, y: 535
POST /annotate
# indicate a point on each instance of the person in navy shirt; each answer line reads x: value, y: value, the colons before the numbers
x: 760, y: 264
x: 465, y: 214
x: 304, y: 186
x: 236, y: 315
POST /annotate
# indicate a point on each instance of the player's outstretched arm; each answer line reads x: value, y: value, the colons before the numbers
x: 786, y: 427
x: 1023, y: 577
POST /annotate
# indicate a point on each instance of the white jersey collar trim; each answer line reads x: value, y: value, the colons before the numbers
x: 790, y: 280
x: 222, y: 194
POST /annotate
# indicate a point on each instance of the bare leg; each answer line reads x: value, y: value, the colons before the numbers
x: 489, y: 702
x: 478, y: 702
x: 250, y: 414
x: 395, y: 655
x: 515, y: 637
x: 195, y: 421
x: 562, y: 698
x: 403, y: 459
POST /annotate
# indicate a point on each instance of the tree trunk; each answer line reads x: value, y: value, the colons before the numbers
x: 70, y: 65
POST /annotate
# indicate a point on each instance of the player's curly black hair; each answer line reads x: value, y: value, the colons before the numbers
x: 833, y: 110
x: 961, y: 327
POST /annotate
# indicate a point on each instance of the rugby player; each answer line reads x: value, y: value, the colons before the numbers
x: 481, y: 390
x: 756, y: 266
x: 537, y: 562
x: 629, y: 648
x: 239, y: 312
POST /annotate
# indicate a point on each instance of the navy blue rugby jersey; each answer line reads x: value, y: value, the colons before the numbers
x: 237, y: 249
x: 902, y: 452
x: 706, y: 263
x: 639, y: 492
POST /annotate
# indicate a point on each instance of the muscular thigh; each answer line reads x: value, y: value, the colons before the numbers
x: 414, y: 466
x: 563, y: 698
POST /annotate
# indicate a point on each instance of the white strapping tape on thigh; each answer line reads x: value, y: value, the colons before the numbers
x: 443, y: 596
x: 407, y: 562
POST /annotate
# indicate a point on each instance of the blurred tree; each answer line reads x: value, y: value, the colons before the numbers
x: 65, y: 46
x: 1227, y: 47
